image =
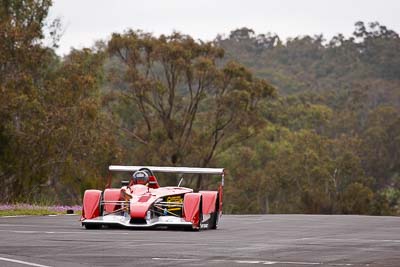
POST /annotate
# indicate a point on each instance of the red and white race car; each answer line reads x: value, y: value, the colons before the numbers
x: 142, y: 203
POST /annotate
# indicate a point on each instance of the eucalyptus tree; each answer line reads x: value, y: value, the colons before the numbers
x: 190, y: 105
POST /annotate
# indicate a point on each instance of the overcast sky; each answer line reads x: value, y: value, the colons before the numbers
x: 85, y: 21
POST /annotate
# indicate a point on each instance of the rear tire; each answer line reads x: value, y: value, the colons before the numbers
x: 214, y: 220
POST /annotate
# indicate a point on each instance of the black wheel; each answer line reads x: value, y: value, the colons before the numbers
x: 92, y: 226
x: 214, y: 216
x: 200, y: 214
x: 214, y: 220
x: 101, y: 207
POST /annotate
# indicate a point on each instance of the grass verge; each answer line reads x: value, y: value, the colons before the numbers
x: 28, y: 209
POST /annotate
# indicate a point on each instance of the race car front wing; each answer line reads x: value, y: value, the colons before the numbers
x: 125, y: 221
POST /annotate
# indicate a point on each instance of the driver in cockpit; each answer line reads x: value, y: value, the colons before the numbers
x: 140, y: 177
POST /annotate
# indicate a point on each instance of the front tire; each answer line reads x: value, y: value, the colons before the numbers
x: 200, y: 215
x: 92, y: 226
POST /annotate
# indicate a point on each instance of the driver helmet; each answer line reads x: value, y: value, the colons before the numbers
x: 140, y: 177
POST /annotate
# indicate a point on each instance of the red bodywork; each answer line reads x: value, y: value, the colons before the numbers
x: 209, y: 201
x: 143, y: 197
x: 137, y: 205
x: 91, y: 204
x: 191, y: 207
x: 110, y: 195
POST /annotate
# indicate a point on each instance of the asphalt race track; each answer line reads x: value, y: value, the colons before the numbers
x: 276, y: 240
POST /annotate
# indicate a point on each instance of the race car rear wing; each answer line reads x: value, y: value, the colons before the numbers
x: 183, y: 170
x: 187, y: 170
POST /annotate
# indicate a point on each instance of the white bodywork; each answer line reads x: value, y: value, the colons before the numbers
x: 188, y: 170
x: 125, y: 221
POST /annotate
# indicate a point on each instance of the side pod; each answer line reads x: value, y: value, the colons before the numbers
x: 192, y: 208
x: 91, y: 204
x: 110, y: 195
x: 209, y: 199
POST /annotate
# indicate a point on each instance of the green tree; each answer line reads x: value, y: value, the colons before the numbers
x: 23, y: 66
x: 190, y: 107
x: 54, y: 137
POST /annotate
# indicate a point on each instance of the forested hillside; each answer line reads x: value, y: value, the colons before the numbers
x: 303, y: 125
x: 333, y: 137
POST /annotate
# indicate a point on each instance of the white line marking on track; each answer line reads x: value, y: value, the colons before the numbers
x: 173, y: 259
x: 23, y: 262
x: 24, y: 232
x: 13, y: 216
x: 18, y: 225
x: 285, y: 263
x: 278, y: 262
x: 292, y: 262
x: 288, y: 262
x: 263, y: 262
x: 49, y: 232
x: 253, y: 262
x: 347, y: 240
